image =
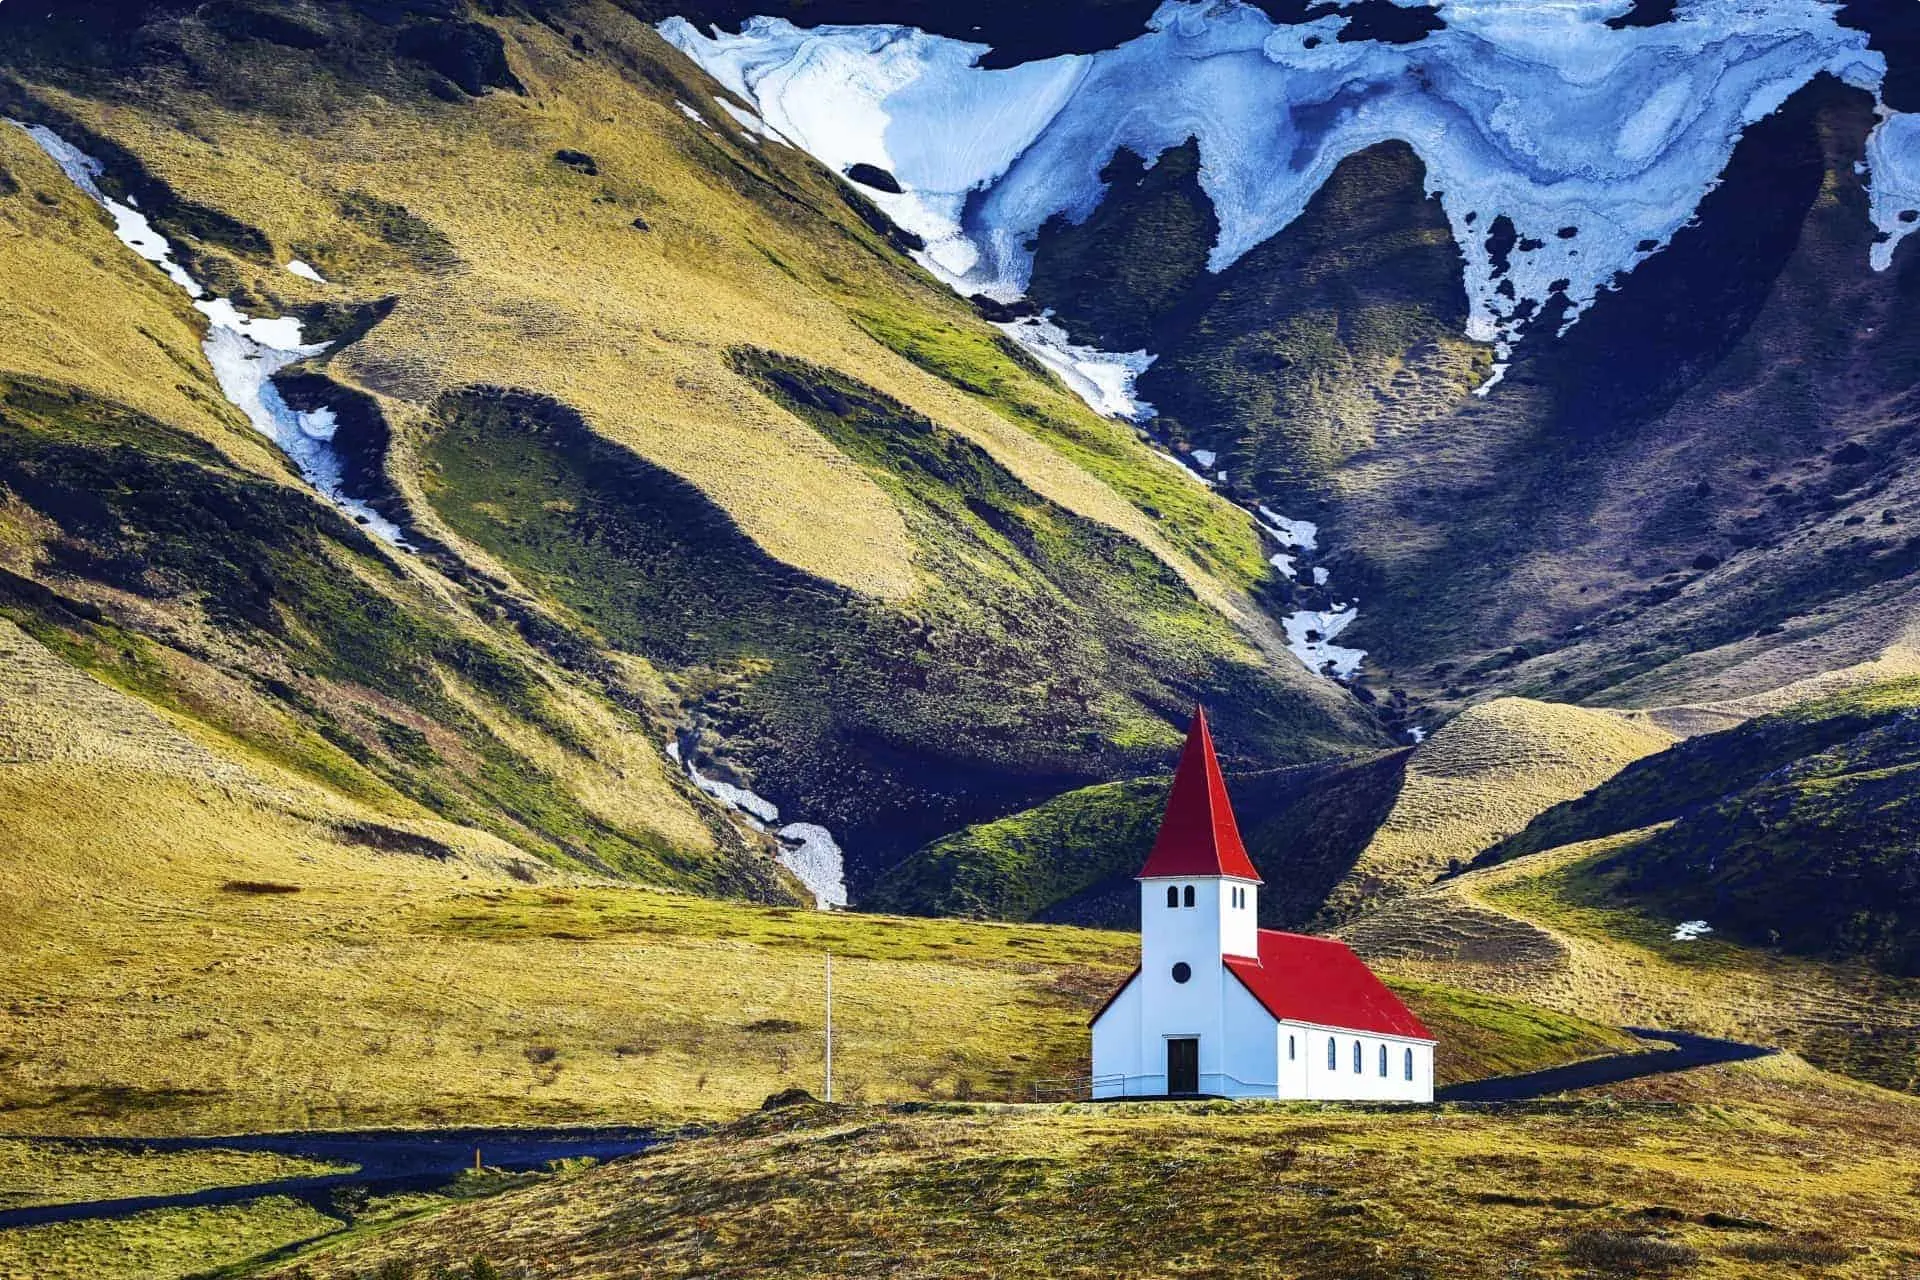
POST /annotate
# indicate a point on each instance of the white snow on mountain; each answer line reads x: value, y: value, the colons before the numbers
x: 1893, y: 163
x: 129, y: 224
x: 809, y: 851
x: 1303, y: 534
x: 244, y: 351
x: 1557, y: 145
x: 1310, y: 636
x: 1563, y: 151
x: 305, y: 271
x: 1104, y: 379
x: 806, y: 848
x: 753, y: 124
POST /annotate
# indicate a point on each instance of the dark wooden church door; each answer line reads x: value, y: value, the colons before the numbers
x: 1183, y: 1065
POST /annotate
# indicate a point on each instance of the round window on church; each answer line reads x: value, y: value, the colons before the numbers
x: 1181, y: 972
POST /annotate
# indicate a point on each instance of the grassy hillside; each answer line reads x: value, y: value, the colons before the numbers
x: 1073, y: 858
x: 1756, y: 1171
x: 196, y: 946
x: 1794, y: 829
x: 871, y: 641
x: 1556, y: 929
x: 1330, y: 840
x: 1482, y: 776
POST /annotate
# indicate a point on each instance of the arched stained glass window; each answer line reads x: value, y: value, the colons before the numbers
x: 1173, y: 896
x: 1409, y: 1064
x: 1189, y: 895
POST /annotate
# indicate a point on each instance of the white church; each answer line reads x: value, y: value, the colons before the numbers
x: 1220, y: 1007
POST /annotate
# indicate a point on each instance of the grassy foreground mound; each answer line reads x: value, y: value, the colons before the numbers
x: 1768, y: 1170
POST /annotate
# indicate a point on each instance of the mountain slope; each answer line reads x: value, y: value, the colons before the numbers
x: 1561, y: 929
x: 600, y: 247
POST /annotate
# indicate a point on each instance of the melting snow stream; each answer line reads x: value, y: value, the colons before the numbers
x: 806, y: 849
x: 244, y: 351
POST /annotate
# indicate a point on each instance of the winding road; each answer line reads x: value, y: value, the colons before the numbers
x: 385, y: 1160
x: 1689, y: 1051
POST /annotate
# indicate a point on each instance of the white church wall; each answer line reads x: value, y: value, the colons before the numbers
x: 1172, y: 936
x: 1293, y: 1054
x: 1335, y: 1079
x: 1117, y: 1069
x: 1247, y: 1068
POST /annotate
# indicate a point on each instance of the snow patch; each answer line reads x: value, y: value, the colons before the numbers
x: 305, y: 271
x: 806, y: 849
x: 1284, y: 563
x: 761, y: 809
x: 1691, y: 931
x: 1205, y: 457
x: 1104, y: 379
x: 1319, y: 577
x: 1416, y: 734
x: 1293, y: 533
x: 753, y: 124
x: 129, y: 224
x: 1310, y: 636
x: 809, y: 852
x: 693, y: 115
x: 1186, y: 469
x: 1893, y: 161
x: 244, y: 351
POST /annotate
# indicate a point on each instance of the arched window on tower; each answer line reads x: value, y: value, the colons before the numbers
x: 1189, y: 895
x: 1383, y: 1062
x: 1173, y: 895
x: 1358, y: 1066
x: 1409, y: 1064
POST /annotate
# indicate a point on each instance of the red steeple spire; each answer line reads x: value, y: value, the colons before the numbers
x: 1198, y: 836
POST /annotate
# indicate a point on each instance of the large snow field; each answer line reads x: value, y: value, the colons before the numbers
x: 1593, y: 144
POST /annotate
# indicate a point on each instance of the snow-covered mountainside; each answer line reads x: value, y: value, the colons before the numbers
x: 1566, y: 143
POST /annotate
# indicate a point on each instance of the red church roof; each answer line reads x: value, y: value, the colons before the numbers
x: 1198, y: 836
x: 1319, y: 980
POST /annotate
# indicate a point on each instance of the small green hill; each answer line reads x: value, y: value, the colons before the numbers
x: 1072, y: 859
x: 1799, y: 829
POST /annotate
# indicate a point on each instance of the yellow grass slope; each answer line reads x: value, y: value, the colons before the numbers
x: 102, y: 320
x: 552, y: 289
x: 1483, y: 776
x: 195, y: 941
